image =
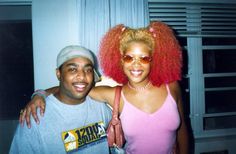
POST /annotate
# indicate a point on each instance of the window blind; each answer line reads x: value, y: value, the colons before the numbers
x: 196, y: 19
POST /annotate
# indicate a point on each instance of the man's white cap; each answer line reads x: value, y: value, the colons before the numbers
x: 74, y: 51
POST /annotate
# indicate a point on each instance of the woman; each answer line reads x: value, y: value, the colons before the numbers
x: 147, y: 62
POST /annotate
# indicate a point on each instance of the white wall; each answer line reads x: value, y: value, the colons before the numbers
x: 54, y: 26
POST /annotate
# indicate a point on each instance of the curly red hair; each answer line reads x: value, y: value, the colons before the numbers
x: 166, y: 52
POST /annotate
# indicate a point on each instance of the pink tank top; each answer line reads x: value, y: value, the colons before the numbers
x: 150, y: 133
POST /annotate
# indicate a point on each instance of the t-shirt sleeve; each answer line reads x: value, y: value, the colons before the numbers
x: 108, y: 114
x: 25, y: 141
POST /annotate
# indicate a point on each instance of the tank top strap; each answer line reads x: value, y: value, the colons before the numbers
x: 123, y: 96
x: 168, y: 89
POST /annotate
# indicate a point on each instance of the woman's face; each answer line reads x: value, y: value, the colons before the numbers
x: 136, y: 62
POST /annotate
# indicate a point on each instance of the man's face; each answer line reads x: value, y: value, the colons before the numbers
x: 76, y: 80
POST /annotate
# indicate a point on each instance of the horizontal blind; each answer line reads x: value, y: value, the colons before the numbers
x: 196, y: 19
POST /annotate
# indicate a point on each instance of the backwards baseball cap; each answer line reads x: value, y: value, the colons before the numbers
x: 74, y: 51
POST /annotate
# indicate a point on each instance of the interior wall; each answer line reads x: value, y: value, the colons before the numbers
x: 54, y: 25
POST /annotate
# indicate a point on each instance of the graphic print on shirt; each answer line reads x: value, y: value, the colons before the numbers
x: 83, y: 137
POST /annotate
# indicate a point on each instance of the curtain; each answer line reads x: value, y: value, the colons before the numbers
x: 96, y: 17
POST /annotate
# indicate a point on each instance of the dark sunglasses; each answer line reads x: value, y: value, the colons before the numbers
x: 143, y: 59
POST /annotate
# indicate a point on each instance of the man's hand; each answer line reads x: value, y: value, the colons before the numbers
x: 31, y: 108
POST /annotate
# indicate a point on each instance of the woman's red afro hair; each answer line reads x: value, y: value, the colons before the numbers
x: 167, y: 56
x: 110, y: 56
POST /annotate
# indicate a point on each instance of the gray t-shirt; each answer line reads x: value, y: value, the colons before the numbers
x: 65, y: 129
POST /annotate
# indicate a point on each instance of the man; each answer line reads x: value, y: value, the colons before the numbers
x: 72, y: 122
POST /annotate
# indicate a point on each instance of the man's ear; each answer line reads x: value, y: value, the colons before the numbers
x: 58, y: 73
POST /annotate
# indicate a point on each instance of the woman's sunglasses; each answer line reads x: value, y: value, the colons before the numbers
x: 143, y: 59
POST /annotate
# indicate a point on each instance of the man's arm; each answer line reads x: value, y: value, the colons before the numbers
x: 33, y: 104
x: 99, y: 93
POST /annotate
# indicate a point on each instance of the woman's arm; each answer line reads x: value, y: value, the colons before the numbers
x: 182, y: 132
x: 103, y: 94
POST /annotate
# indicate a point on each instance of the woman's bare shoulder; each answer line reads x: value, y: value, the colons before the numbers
x: 175, y: 90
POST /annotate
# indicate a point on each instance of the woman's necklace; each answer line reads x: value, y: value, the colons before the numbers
x: 139, y: 88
